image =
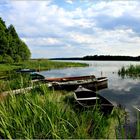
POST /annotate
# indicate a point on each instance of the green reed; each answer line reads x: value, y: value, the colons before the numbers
x: 39, y: 64
x: 130, y: 71
x: 15, y: 81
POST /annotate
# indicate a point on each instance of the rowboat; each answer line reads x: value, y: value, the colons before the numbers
x: 32, y: 73
x: 25, y: 70
x: 65, y: 79
x: 87, y: 82
x: 89, y: 98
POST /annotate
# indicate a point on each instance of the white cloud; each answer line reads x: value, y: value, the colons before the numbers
x: 41, y: 41
x: 69, y: 1
x: 113, y: 42
x: 43, y: 23
x: 114, y: 8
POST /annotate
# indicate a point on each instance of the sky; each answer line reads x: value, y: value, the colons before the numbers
x: 75, y: 28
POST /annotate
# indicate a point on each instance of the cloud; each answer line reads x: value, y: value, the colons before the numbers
x: 75, y: 28
x: 40, y: 41
x: 69, y: 1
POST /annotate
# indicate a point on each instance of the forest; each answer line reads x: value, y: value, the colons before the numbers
x: 102, y: 58
x: 12, y: 48
x: 113, y: 58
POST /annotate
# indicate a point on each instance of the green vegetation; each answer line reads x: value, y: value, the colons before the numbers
x: 12, y: 48
x: 39, y: 64
x: 44, y: 64
x: 9, y: 79
x: 48, y: 114
x: 131, y: 71
x: 15, y: 81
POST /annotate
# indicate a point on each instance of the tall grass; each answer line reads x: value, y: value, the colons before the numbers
x: 39, y: 64
x: 43, y: 64
x: 15, y: 81
x: 44, y: 114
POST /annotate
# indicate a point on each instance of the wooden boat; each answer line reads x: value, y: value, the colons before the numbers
x: 32, y: 73
x: 89, y: 83
x: 65, y: 79
x: 25, y: 70
x: 89, y: 98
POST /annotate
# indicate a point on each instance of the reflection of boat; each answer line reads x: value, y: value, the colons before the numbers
x: 88, y: 98
x: 87, y: 82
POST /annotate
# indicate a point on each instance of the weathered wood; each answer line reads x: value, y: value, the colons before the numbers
x: 17, y: 91
x: 92, y: 84
x: 69, y: 78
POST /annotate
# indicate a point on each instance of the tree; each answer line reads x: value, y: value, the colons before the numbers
x: 13, y: 32
x: 7, y: 59
x: 11, y: 46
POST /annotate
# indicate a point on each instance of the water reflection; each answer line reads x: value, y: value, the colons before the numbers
x: 121, y: 90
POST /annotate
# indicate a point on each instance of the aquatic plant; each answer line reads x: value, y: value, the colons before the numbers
x: 130, y: 71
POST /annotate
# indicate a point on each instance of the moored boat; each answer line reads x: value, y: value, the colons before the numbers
x: 32, y: 73
x: 25, y: 70
x: 89, y: 83
x: 65, y: 79
x: 89, y: 98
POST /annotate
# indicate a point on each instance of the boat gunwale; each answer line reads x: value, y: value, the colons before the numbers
x: 70, y: 78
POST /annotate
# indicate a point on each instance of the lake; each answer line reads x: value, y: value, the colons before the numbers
x: 124, y: 91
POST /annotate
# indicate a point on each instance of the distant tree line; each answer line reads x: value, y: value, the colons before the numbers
x: 102, y: 58
x: 12, y: 48
x: 113, y: 58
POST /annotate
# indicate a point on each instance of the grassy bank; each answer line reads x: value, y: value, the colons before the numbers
x: 39, y: 64
x: 131, y: 71
x: 48, y: 114
x: 9, y: 79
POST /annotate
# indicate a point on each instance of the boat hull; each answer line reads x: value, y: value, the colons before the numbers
x: 88, y: 98
x: 95, y: 85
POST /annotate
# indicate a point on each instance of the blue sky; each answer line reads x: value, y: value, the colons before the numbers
x: 75, y: 28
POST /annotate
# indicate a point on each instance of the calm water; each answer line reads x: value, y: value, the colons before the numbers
x: 120, y: 91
